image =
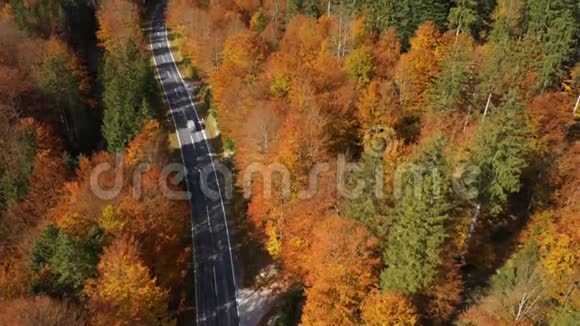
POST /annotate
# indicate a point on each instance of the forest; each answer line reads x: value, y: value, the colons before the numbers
x: 459, y: 120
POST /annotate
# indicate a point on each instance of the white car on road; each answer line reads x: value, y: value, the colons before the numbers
x: 191, y: 125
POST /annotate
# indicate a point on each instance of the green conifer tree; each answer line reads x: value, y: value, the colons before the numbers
x: 412, y: 254
x: 61, y: 84
x: 471, y: 16
x: 501, y: 152
x: 129, y: 97
x: 37, y: 18
x: 369, y: 207
x: 62, y: 262
x: 507, y: 57
x: 554, y: 26
x: 452, y: 88
x: 113, y: 103
x: 405, y: 15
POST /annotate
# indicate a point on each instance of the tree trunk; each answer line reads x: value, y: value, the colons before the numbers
x: 486, y: 106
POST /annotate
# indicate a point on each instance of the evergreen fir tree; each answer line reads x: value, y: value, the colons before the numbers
x: 129, y: 96
x: 471, y: 16
x: 113, y: 102
x: 554, y: 26
x: 64, y: 263
x: 37, y: 18
x: 61, y: 84
x: 305, y: 7
x: 405, y: 15
x: 368, y: 207
x: 501, y: 153
x: 463, y: 16
x: 452, y: 87
x: 507, y: 57
x: 412, y: 254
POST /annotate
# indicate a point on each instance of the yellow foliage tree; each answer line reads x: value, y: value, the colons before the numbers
x: 108, y: 221
x: 388, y: 309
x: 273, y: 244
x: 125, y: 290
x: 243, y: 51
x: 560, y: 255
x: 280, y: 84
x: 360, y: 64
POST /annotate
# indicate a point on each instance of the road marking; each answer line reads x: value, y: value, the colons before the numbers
x: 214, y: 282
x: 165, y: 32
x: 205, y: 318
x: 168, y: 76
x: 201, y: 158
x: 207, y: 213
x: 184, y: 167
x: 163, y: 58
x: 215, y: 174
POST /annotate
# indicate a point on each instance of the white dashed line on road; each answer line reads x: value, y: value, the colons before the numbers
x: 214, y: 282
x: 208, y: 220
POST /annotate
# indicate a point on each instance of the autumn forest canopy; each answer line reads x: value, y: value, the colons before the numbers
x: 459, y: 121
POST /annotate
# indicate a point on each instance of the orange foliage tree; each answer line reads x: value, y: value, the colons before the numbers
x: 550, y: 117
x: 231, y: 81
x: 202, y: 33
x: 417, y: 68
x: 79, y: 207
x: 184, y: 20
x: 140, y: 207
x: 243, y: 51
x: 377, y: 105
x: 41, y: 309
x: 150, y: 146
x: 296, y: 220
x: 258, y: 139
x: 157, y: 223
x: 16, y: 49
x: 387, y: 52
x: 343, y: 267
x: 118, y: 23
x: 445, y: 294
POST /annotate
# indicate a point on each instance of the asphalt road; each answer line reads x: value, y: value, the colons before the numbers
x: 215, y: 275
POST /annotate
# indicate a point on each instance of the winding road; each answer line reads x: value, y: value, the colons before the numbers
x: 216, y: 281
